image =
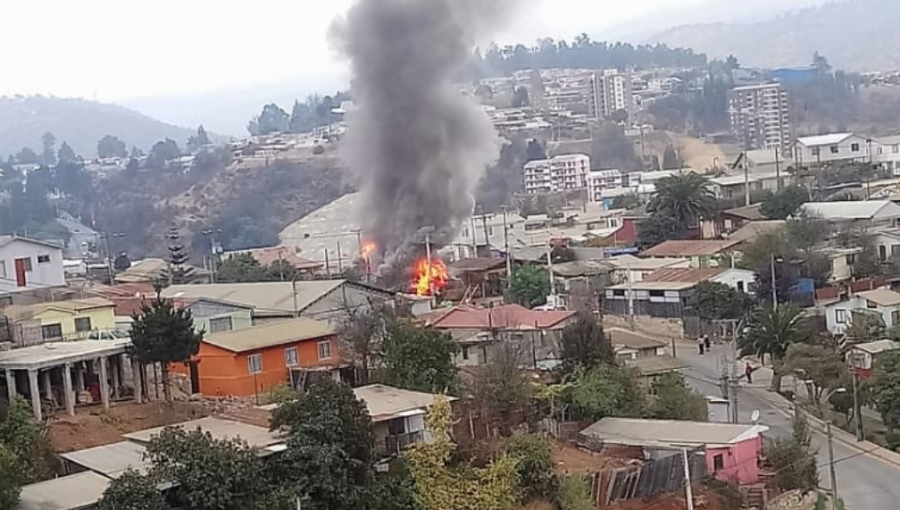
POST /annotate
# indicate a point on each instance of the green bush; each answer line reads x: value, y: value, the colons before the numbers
x: 574, y: 494
x: 534, y: 465
x: 892, y: 439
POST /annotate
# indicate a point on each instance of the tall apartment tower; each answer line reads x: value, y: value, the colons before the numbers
x: 611, y: 91
x: 761, y: 117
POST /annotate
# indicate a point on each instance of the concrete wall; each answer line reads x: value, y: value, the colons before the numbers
x: 42, y: 274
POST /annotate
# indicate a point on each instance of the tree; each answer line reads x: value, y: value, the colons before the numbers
x: 198, y: 141
x: 619, y: 116
x: 608, y: 391
x: 418, y: 359
x: 111, y: 147
x: 66, y: 154
x: 530, y: 285
x: 438, y: 486
x: 240, y: 268
x: 535, y: 150
x: 132, y: 491
x: 331, y: 447
x: 162, y: 152
x: 659, y: 228
x: 520, y: 98
x: 499, y: 388
x: 72, y: 179
x: 684, y: 196
x: 210, y: 474
x: 48, y: 153
x: 717, y: 301
x: 361, y: 331
x: 575, y: 493
x: 675, y: 400
x: 584, y: 345
x: 785, y: 203
x: 793, y: 459
x: 26, y: 156
x: 534, y: 465
x: 273, y: 120
x: 886, y: 389
x: 772, y: 331
x: 823, y: 368
x: 163, y: 333
x: 670, y: 159
x: 26, y: 439
x: 10, y: 484
x: 177, y: 256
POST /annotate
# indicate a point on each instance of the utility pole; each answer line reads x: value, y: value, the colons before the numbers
x: 109, y: 256
x: 688, y: 490
x: 487, y: 238
x: 834, y: 493
x: 746, y: 182
x: 774, y: 287
x: 428, y: 262
x: 777, y: 169
x: 857, y: 409
x: 506, y: 248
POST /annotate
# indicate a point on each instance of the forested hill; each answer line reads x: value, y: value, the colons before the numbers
x: 857, y: 35
x: 80, y: 123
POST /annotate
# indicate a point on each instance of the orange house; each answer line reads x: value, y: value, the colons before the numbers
x: 250, y: 361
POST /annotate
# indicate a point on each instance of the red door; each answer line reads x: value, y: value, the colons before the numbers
x: 20, y: 273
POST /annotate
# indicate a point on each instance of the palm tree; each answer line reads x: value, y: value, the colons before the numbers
x: 685, y: 197
x: 772, y: 330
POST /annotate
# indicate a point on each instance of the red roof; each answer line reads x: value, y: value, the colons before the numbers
x: 268, y: 256
x: 506, y: 317
x: 690, y: 275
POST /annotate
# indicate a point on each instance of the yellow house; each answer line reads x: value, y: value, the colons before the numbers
x: 63, y: 320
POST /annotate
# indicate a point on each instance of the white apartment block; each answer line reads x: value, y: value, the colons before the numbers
x: 760, y: 116
x: 559, y: 173
x: 611, y: 91
x: 600, y: 181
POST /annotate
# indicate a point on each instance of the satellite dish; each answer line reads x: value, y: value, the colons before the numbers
x: 754, y: 416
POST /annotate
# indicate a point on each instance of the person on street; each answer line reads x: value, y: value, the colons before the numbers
x: 700, y: 344
x: 706, y: 342
x: 748, y: 371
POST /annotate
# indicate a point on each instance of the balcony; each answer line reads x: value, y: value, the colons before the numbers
x: 395, y: 444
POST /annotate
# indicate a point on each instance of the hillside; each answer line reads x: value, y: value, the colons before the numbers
x: 78, y: 122
x: 856, y: 35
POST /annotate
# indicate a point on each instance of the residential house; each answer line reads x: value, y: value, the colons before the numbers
x: 831, y: 148
x: 482, y: 277
x: 28, y: 265
x: 887, y: 240
x: 859, y: 213
x: 60, y: 320
x: 325, y: 300
x: 579, y: 282
x: 480, y: 331
x: 887, y: 153
x: 734, y: 219
x: 841, y: 261
x: 730, y: 187
x: 763, y: 161
x: 652, y: 368
x: 251, y: 361
x: 652, y: 299
x: 733, y: 451
x: 750, y: 231
x: 275, y: 254
x: 630, y: 345
x: 881, y: 305
x: 708, y: 253
x: 215, y: 316
x: 74, y: 492
x: 398, y: 416
x: 738, y: 279
x: 861, y: 357
x: 628, y: 268
x: 82, y: 242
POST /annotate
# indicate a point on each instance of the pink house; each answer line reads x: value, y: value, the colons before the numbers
x: 732, y: 450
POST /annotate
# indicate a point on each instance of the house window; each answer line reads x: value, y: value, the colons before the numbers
x: 325, y: 349
x: 254, y: 363
x: 835, y: 149
x: 82, y: 324
x: 619, y: 292
x: 815, y: 151
x: 895, y: 249
x: 740, y: 286
x: 718, y: 462
x: 291, y: 357
x: 871, y: 305
x: 840, y: 316
x: 895, y: 318
x: 43, y: 259
x: 465, y: 353
x: 51, y: 331
x: 882, y: 252
x: 397, y: 426
x: 657, y: 293
x: 220, y: 324
x: 854, y: 147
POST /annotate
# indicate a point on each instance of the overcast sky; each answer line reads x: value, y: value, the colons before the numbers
x: 116, y: 49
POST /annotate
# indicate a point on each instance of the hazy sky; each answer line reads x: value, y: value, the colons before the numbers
x: 115, y: 49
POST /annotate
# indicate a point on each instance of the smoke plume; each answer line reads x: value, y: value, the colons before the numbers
x: 417, y: 145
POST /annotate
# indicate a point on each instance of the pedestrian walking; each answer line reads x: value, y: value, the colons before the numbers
x: 706, y: 342
x: 748, y: 371
x: 700, y: 345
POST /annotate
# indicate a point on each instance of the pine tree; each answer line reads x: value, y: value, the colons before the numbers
x: 178, y: 256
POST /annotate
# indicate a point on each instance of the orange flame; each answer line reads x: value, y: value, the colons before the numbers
x: 368, y: 248
x: 426, y: 284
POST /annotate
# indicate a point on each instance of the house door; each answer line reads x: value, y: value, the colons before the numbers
x: 195, y: 376
x: 20, y: 273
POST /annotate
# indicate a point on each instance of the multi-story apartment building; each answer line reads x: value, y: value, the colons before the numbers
x: 611, y: 91
x: 559, y: 173
x: 760, y: 117
x: 601, y: 180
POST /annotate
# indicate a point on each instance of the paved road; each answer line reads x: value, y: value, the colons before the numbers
x: 864, y: 482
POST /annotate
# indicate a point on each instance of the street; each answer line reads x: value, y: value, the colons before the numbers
x: 864, y: 482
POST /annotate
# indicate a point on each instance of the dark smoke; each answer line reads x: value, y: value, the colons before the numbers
x: 418, y: 146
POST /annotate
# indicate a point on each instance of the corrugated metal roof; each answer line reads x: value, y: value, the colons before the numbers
x: 385, y: 402
x: 269, y: 335
x: 265, y: 296
x: 258, y: 437
x: 857, y: 210
x: 829, y: 139
x: 754, y: 229
x: 72, y: 492
x: 689, y: 248
x: 653, y: 286
x: 638, y: 264
x: 670, y: 432
x: 506, y: 316
x: 677, y: 274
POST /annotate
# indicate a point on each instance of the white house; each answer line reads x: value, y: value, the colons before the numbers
x: 830, y: 148
x: 878, y: 303
x: 738, y: 279
x: 27, y: 265
x: 861, y: 356
x: 887, y: 152
x: 735, y: 186
x: 882, y: 212
x: 628, y: 268
x: 887, y: 240
x: 398, y: 416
